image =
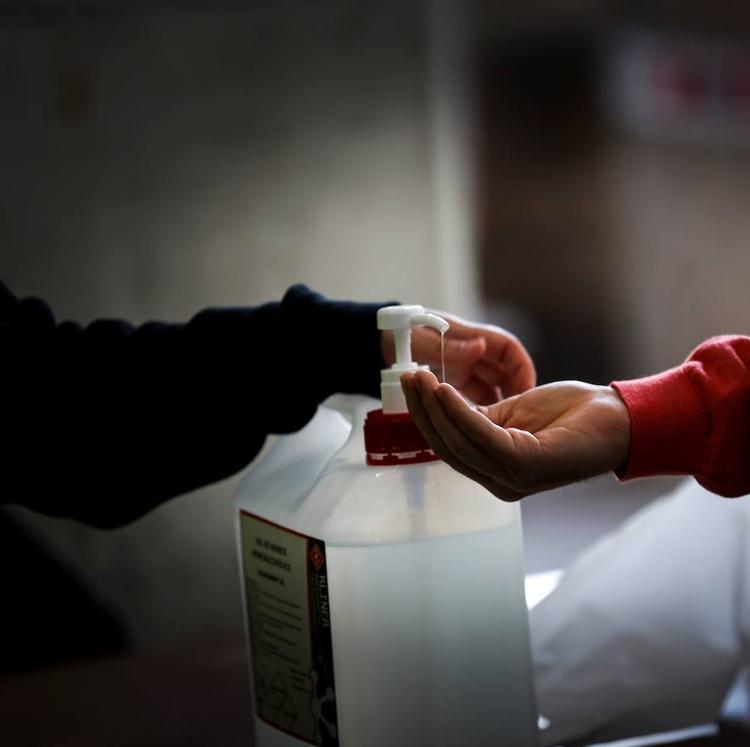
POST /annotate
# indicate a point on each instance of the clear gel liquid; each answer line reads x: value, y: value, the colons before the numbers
x: 430, y: 644
x: 442, y: 356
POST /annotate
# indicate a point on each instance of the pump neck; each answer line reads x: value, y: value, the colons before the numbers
x: 400, y: 320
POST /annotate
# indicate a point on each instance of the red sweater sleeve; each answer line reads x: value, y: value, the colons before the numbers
x: 694, y: 419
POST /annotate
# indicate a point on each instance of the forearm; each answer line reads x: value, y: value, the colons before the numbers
x: 106, y: 422
x: 694, y: 419
x: 103, y: 423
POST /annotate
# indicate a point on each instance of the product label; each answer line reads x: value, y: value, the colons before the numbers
x: 286, y: 588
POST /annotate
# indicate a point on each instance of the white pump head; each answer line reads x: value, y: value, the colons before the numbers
x: 400, y: 319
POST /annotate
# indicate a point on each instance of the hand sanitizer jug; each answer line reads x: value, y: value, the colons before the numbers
x: 383, y: 591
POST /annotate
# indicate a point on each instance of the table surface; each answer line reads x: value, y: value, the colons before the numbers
x: 194, y: 696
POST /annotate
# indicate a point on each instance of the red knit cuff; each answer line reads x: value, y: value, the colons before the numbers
x: 668, y: 425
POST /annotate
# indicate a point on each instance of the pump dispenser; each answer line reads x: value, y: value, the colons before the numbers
x: 400, y: 320
x: 383, y: 591
x: 391, y: 436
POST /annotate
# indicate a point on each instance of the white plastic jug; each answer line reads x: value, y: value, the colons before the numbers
x: 384, y: 601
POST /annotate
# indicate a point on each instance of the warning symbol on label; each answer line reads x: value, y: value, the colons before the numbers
x: 280, y: 705
x: 316, y: 557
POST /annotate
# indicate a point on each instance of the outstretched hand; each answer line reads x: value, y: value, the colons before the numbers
x: 546, y: 437
x: 484, y: 362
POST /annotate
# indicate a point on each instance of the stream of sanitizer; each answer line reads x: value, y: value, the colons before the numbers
x: 442, y: 356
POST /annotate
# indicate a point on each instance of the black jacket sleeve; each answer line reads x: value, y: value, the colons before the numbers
x: 104, y: 423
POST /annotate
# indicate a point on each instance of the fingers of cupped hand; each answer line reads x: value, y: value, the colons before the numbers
x: 474, y: 425
x: 440, y: 447
x: 434, y: 438
x: 456, y: 439
x: 498, y: 444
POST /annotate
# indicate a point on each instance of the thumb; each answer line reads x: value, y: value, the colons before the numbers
x: 462, y: 352
x: 498, y: 411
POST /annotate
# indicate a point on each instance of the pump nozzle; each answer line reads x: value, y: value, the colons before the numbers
x: 400, y: 319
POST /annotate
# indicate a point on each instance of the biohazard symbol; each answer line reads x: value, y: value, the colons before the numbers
x: 317, y: 558
x: 279, y: 705
x: 316, y: 708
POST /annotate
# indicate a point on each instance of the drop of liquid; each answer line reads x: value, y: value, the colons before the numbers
x: 442, y: 356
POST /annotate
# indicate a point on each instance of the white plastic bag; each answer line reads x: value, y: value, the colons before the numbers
x: 648, y: 629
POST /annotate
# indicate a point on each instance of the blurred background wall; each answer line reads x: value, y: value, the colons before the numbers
x: 576, y: 171
x: 615, y: 153
x: 161, y: 157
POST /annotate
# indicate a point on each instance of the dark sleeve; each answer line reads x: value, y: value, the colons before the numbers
x: 104, y: 423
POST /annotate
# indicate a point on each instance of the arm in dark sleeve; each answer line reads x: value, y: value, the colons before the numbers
x: 694, y: 419
x: 104, y: 423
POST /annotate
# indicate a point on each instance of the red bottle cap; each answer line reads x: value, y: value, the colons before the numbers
x: 393, y: 438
